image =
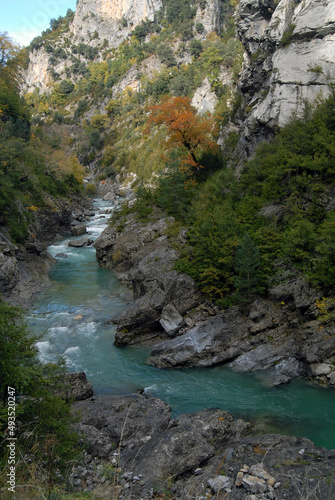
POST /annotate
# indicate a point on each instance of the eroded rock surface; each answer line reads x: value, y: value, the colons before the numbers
x: 142, y: 257
x: 208, y: 454
x: 288, y: 60
x: 281, y: 337
x: 280, y: 340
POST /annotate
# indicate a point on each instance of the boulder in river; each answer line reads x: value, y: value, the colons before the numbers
x: 171, y: 320
x: 78, y: 230
x: 82, y: 242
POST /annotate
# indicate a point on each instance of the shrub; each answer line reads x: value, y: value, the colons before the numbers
x: 166, y: 55
x: 90, y: 188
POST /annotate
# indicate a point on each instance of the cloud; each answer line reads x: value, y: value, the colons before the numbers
x: 24, y: 36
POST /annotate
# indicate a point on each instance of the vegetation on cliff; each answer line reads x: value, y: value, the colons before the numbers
x: 35, y: 164
x: 276, y: 218
x: 246, y: 233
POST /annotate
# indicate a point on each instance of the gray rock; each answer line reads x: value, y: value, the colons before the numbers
x: 254, y: 484
x: 61, y: 255
x: 219, y: 484
x: 78, y: 230
x: 207, y: 344
x: 9, y: 269
x: 320, y: 369
x: 79, y: 387
x: 259, y: 471
x: 278, y: 78
x: 137, y: 435
x: 141, y: 256
x: 204, y: 99
x: 331, y: 378
x: 82, y: 242
x: 171, y: 320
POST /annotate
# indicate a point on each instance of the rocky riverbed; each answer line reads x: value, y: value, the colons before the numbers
x: 136, y: 450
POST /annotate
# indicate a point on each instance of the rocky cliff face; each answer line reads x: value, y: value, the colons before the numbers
x: 142, y: 257
x: 288, y: 52
x: 95, y: 22
x: 111, y: 19
x: 105, y: 24
x: 288, y: 58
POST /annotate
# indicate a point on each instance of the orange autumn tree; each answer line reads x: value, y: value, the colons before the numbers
x: 192, y: 134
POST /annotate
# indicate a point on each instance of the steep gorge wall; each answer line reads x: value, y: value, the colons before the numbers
x: 94, y: 22
x: 104, y: 24
x: 289, y: 49
x: 24, y: 268
x: 111, y: 19
x: 289, y: 57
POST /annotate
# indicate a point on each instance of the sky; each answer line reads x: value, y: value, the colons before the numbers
x: 25, y: 19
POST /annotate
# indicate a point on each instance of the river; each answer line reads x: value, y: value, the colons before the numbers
x: 72, y: 314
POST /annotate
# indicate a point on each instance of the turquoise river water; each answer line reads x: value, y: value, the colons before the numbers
x: 72, y: 312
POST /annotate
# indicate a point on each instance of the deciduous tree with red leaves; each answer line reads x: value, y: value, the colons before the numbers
x: 192, y: 134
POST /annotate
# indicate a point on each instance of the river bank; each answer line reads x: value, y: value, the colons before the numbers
x: 135, y: 449
x: 24, y: 268
x: 282, y: 335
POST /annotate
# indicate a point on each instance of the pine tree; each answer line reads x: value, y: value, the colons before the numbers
x: 247, y: 268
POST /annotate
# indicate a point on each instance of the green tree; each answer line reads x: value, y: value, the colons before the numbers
x: 196, y: 48
x: 171, y: 193
x: 44, y: 423
x: 66, y: 87
x: 166, y: 55
x: 18, y: 352
x: 247, y: 268
x: 323, y: 262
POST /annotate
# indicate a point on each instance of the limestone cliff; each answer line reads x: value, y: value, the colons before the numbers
x: 288, y: 58
x: 97, y: 23
x: 104, y: 24
x: 288, y: 54
x: 111, y: 19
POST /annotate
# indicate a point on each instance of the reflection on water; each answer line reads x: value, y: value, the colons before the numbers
x: 74, y: 311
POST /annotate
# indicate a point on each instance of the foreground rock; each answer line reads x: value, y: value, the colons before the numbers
x: 204, y: 455
x: 78, y: 387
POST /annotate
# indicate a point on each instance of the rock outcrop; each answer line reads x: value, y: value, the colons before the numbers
x: 105, y: 24
x: 111, y: 19
x: 136, y: 450
x: 280, y: 338
x: 95, y: 22
x: 288, y: 59
x: 79, y: 388
x: 142, y: 257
